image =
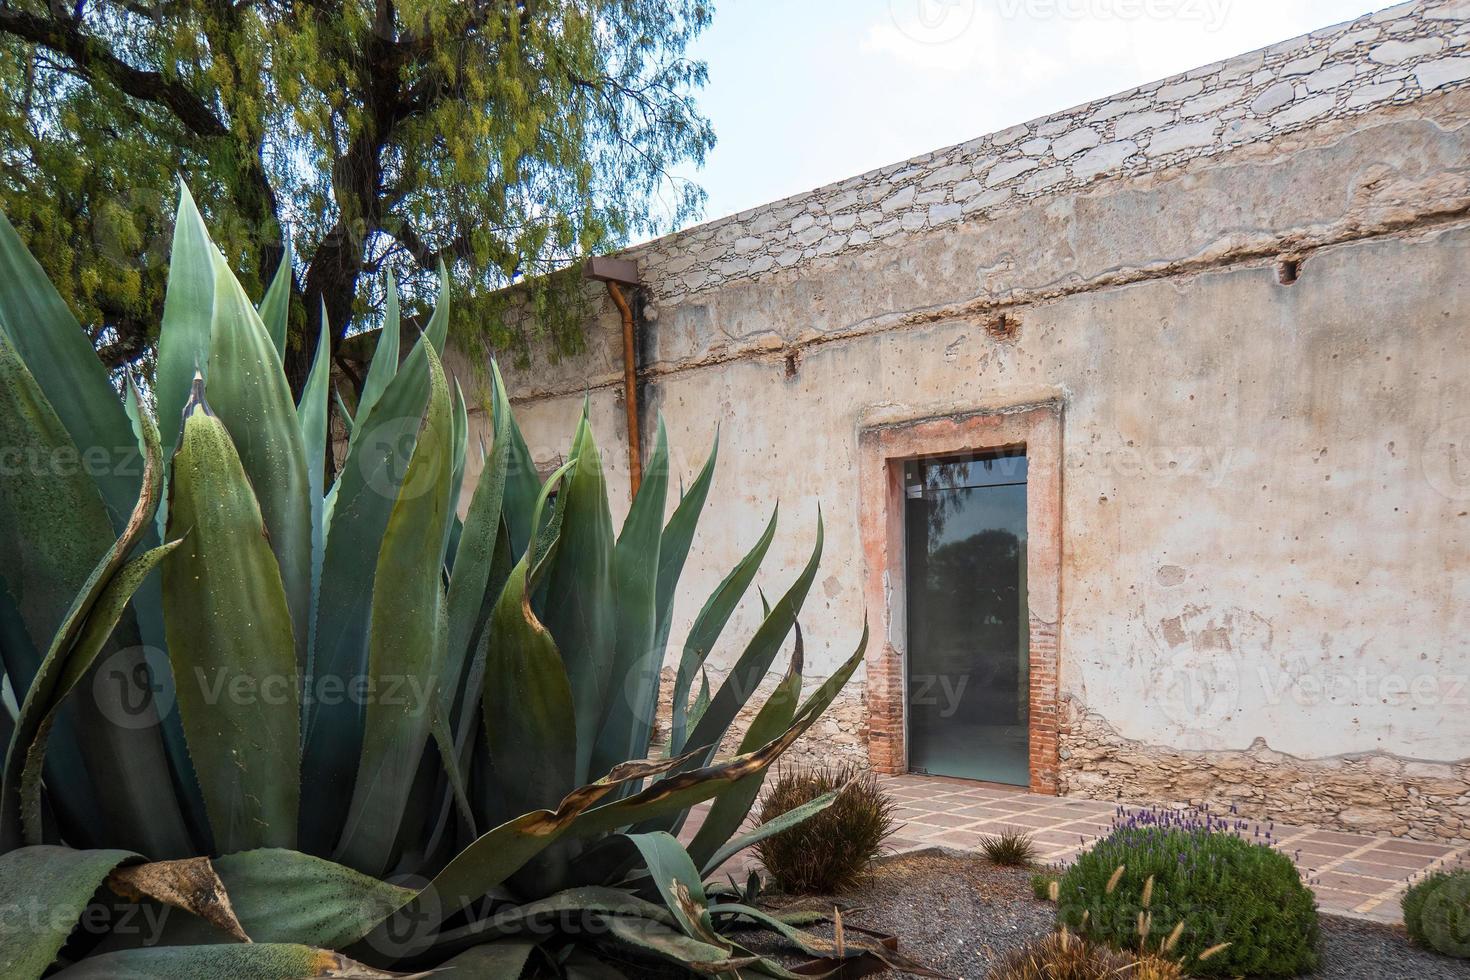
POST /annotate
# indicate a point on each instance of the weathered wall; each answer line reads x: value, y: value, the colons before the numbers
x: 1265, y: 520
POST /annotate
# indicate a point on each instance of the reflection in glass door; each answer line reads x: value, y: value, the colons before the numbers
x: 968, y: 646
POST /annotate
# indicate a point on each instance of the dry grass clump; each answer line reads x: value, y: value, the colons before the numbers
x: 1065, y: 956
x: 831, y: 851
x: 1011, y: 848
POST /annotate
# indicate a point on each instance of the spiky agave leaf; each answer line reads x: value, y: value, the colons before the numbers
x: 230, y: 642
x: 547, y: 643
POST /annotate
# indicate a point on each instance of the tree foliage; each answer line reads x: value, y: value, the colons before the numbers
x: 504, y: 138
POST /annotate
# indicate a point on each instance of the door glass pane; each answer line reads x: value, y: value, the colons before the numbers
x: 967, y: 624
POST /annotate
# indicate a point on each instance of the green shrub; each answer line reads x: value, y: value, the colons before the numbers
x: 1012, y: 848
x: 833, y: 850
x: 1225, y: 903
x: 1063, y: 956
x: 1437, y: 912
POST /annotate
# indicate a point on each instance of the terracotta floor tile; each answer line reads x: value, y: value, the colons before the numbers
x: 964, y: 839
x: 940, y: 820
x: 981, y: 812
x: 1423, y: 848
x: 1318, y: 847
x: 1015, y: 806
x: 1337, y: 881
x: 1335, y: 901
x: 1371, y: 869
x: 1406, y: 863
x: 1336, y: 837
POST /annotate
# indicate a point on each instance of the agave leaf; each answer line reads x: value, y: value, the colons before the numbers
x: 249, y: 394
x: 256, y: 961
x: 632, y: 703
x: 756, y: 660
x: 53, y: 523
x: 230, y: 642
x: 436, y: 331
x: 55, y: 349
x: 580, y: 608
x: 850, y: 946
x: 729, y: 811
x: 449, y: 758
x: 384, y: 365
x: 684, y: 786
x: 678, y: 535
x: 47, y: 888
x: 466, y: 715
x: 701, y: 699
x: 522, y: 485
x: 314, y: 421
x: 360, y: 504
x: 476, y: 552
x: 498, y: 853
x: 594, y: 899
x: 188, y: 311
x: 505, y: 958
x: 284, y: 896
x: 660, y: 940
x: 343, y: 411
x: 29, y: 407
x: 190, y: 884
x: 165, y: 833
x: 775, y: 825
x: 459, y: 442
x: 678, y: 883
x: 711, y: 622
x: 57, y: 552
x: 275, y: 306
x: 530, y: 724
x: 405, y: 641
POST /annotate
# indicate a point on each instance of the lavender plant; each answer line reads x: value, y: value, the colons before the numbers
x: 1211, y: 889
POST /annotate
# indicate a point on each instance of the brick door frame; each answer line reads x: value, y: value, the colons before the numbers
x: 883, y: 448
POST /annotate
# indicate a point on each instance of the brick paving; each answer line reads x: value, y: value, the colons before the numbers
x: 1356, y: 875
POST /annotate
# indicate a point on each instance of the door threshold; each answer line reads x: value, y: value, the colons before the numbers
x: 964, y: 781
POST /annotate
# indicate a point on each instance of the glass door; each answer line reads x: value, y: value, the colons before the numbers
x: 968, y: 648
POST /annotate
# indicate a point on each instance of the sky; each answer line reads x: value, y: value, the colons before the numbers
x: 806, y: 92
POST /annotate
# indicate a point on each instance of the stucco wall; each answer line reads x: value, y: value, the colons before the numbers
x: 1265, y: 522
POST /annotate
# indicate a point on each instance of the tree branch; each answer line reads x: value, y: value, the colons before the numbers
x: 65, y: 37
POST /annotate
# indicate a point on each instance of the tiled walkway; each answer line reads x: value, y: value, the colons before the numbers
x: 1353, y: 874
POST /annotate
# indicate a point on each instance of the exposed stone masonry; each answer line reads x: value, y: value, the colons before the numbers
x: 1392, y: 56
x: 1362, y: 793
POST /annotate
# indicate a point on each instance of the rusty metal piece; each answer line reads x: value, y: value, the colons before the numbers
x: 618, y: 273
x: 630, y: 389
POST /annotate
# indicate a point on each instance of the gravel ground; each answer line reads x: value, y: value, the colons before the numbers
x: 961, y: 914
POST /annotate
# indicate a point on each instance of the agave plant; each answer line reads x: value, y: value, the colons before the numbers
x: 336, y: 731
